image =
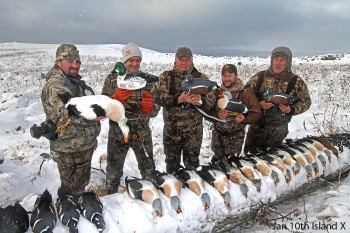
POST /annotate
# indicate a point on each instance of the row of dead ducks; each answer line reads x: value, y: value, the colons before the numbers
x: 15, y: 218
x: 297, y: 154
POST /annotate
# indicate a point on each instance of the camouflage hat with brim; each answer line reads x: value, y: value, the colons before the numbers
x: 230, y: 68
x: 183, y: 51
x: 67, y: 51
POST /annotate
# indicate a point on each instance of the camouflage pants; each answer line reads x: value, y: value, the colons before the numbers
x: 226, y: 145
x: 260, y: 138
x: 74, y: 169
x: 188, y: 141
x: 140, y: 141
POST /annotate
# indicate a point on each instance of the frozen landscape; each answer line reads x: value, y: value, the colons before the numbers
x: 26, y: 171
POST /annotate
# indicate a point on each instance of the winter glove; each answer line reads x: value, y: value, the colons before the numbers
x: 121, y: 95
x: 146, y: 103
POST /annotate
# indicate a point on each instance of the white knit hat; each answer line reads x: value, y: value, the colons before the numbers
x: 130, y: 50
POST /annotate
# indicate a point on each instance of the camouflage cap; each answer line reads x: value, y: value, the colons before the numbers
x: 183, y: 51
x: 67, y: 51
x: 230, y: 68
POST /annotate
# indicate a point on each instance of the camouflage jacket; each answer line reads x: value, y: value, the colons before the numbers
x: 136, y: 118
x: 80, y: 134
x: 280, y: 84
x: 177, y: 114
x: 231, y: 126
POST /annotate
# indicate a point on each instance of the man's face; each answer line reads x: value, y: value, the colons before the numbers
x: 279, y: 64
x: 133, y: 64
x: 183, y: 63
x: 70, y: 67
x: 228, y: 79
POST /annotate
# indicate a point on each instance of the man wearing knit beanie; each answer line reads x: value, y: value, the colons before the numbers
x: 273, y: 126
x: 139, y: 108
x: 131, y: 50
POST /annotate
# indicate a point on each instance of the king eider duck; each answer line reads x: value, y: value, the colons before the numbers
x: 248, y: 170
x: 308, y: 156
x: 197, y: 85
x: 91, y: 209
x: 318, y: 149
x: 299, y: 157
x: 171, y: 187
x: 278, y: 98
x: 265, y: 169
x: 96, y: 107
x: 277, y: 162
x: 14, y: 218
x: 144, y: 190
x: 218, y: 179
x: 43, y: 218
x: 133, y: 80
x: 231, y: 104
x: 68, y: 209
x: 195, y: 183
x: 233, y: 173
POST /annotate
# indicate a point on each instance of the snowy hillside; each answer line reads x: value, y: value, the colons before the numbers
x: 27, y: 172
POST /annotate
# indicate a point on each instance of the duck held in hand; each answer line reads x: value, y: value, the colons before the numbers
x: 97, y: 107
x: 278, y: 98
x: 197, y: 85
x: 231, y: 104
x: 133, y: 80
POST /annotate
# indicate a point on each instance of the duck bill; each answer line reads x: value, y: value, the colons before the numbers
x: 206, y: 207
x: 288, y: 179
x: 309, y: 175
x: 179, y: 210
x: 316, y: 171
x: 324, y: 164
x: 296, y: 172
x: 276, y: 182
x: 159, y: 214
x: 126, y: 138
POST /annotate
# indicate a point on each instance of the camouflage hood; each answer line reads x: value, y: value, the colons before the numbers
x: 286, y: 53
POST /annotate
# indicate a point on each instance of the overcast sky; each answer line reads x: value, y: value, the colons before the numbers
x: 208, y: 27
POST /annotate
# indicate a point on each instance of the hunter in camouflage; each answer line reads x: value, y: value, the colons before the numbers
x: 228, y: 137
x: 73, y: 148
x: 272, y: 129
x: 183, y: 128
x: 139, y: 106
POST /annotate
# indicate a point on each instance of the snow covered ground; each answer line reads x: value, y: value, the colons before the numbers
x: 26, y: 172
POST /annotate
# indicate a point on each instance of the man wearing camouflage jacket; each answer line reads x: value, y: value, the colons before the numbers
x: 139, y: 106
x: 272, y: 129
x: 228, y: 137
x: 76, y: 141
x: 183, y: 128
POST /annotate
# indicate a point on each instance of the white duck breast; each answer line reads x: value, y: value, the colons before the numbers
x: 136, y: 80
